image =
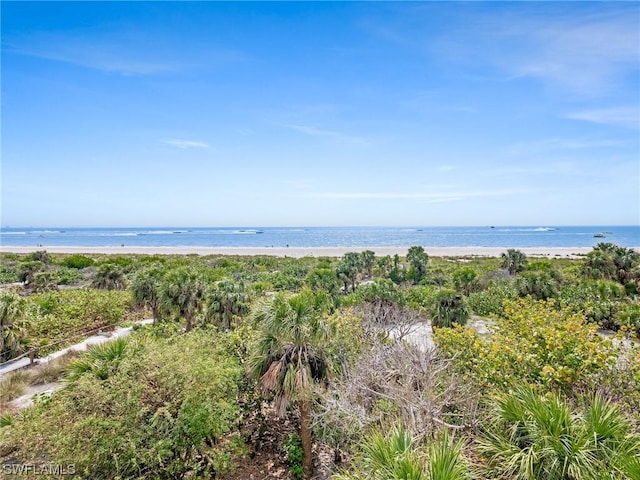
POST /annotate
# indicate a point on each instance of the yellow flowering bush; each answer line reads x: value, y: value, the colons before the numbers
x: 534, y: 342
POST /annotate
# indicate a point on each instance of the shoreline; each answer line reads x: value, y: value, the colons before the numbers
x: 299, y: 252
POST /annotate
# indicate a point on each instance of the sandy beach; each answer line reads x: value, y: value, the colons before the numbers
x: 299, y: 252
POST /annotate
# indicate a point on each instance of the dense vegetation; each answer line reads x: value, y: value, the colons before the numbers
x: 360, y: 367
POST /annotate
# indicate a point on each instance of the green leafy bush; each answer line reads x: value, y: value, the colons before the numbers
x: 490, y: 302
x: 295, y: 455
x: 59, y: 319
x: 77, y: 261
x: 166, y: 412
x: 533, y: 342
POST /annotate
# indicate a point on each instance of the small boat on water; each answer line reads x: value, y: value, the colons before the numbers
x: 599, y: 235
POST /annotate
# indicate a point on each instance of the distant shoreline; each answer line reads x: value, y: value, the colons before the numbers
x: 298, y: 252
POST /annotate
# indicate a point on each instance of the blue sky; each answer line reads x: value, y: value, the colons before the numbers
x: 231, y: 114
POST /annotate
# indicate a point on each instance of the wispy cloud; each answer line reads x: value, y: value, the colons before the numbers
x: 116, y: 50
x: 585, y: 52
x: 341, y: 137
x: 185, y: 144
x: 555, y: 144
x: 628, y: 117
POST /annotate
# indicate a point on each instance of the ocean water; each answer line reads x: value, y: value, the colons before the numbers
x: 497, y: 236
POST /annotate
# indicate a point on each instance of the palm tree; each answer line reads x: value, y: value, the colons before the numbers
x: 290, y: 357
x: 225, y: 301
x: 538, y: 284
x: 146, y: 290
x: 418, y: 260
x: 448, y: 307
x: 323, y: 278
x: 182, y: 293
x: 540, y: 437
x: 367, y: 259
x: 599, y: 265
x: 347, y: 270
x: 513, y: 261
x: 12, y: 312
x: 109, y: 277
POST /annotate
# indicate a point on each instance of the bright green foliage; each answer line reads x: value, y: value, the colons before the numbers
x: 534, y: 342
x: 446, y: 460
x: 539, y: 284
x: 535, y: 437
x: 166, y: 412
x: 448, y: 308
x: 295, y: 455
x: 67, y: 276
x: 599, y: 300
x: 59, y: 319
x: 13, y: 310
x: 490, y: 302
x: 101, y: 361
x: 110, y: 276
x: 465, y: 280
x: 323, y: 278
x: 629, y: 317
x: 77, y: 261
x: 226, y: 302
x: 10, y: 273
x: 420, y: 297
x: 397, y: 457
x: 418, y: 261
x: 381, y: 290
x: 513, y: 261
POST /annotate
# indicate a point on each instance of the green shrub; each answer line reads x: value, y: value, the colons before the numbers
x: 534, y: 437
x: 628, y: 316
x: 166, y: 412
x: 533, y: 342
x: 9, y: 273
x: 101, y: 360
x: 59, y: 319
x: 295, y: 454
x: 448, y: 308
x: 77, y: 261
x: 490, y: 302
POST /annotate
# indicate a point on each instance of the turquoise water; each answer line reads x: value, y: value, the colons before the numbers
x: 497, y: 236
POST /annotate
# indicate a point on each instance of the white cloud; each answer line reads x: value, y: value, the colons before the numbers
x: 578, y: 50
x: 318, y: 132
x: 109, y: 49
x: 553, y: 144
x: 628, y: 117
x: 185, y: 144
